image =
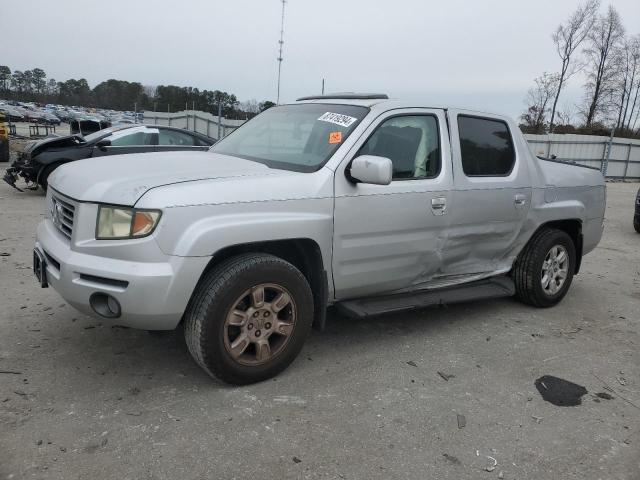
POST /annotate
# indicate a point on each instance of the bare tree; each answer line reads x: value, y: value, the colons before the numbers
x: 603, y: 39
x: 150, y: 91
x: 250, y: 106
x: 568, y: 37
x: 538, y: 100
x: 629, y: 82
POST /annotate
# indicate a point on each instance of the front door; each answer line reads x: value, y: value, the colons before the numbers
x: 389, y: 238
x: 491, y: 196
x: 130, y: 140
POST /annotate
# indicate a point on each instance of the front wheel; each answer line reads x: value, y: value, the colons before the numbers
x: 249, y: 318
x: 544, y: 270
x: 43, y: 176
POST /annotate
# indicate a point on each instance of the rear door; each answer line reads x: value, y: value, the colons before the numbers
x: 491, y: 196
x: 388, y: 238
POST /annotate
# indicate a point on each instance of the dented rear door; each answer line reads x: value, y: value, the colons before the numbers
x: 490, y: 201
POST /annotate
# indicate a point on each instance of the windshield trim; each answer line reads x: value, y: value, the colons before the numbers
x: 293, y: 167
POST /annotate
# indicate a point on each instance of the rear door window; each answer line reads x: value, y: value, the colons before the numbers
x: 486, y: 147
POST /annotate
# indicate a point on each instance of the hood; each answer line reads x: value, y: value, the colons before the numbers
x: 34, y: 148
x: 123, y: 179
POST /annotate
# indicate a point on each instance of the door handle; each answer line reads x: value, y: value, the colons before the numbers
x: 520, y: 200
x: 438, y: 205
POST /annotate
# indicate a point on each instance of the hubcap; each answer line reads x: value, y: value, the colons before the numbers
x: 555, y: 269
x: 259, y: 324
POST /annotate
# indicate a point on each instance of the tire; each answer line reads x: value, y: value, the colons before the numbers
x: 636, y: 223
x: 43, y: 176
x: 209, y: 336
x: 528, y: 272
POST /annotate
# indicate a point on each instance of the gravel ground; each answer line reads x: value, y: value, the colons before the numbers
x: 365, y: 399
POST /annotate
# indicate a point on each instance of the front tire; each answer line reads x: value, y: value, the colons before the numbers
x: 636, y: 223
x: 43, y: 177
x: 249, y: 318
x: 544, y: 269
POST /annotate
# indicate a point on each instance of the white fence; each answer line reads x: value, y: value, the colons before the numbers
x: 617, y: 158
x: 201, y: 122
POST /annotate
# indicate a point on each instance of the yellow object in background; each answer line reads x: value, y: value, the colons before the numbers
x: 4, y: 129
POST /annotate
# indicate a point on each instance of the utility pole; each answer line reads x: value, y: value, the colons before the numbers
x: 281, y: 42
x: 323, y: 86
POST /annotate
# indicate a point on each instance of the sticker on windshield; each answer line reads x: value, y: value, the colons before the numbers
x: 335, y: 137
x: 338, y: 119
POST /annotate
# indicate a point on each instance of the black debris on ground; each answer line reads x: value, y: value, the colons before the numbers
x: 605, y: 396
x: 446, y: 376
x: 462, y: 421
x: 559, y: 392
x: 452, y: 459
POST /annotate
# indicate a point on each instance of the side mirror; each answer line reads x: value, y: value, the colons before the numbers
x: 102, y: 144
x: 372, y: 169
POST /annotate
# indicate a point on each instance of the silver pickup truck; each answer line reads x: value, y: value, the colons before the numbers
x: 370, y: 205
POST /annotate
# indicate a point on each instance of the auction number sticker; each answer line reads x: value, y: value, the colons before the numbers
x: 338, y: 119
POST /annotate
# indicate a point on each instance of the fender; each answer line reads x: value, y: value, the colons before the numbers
x: 204, y: 230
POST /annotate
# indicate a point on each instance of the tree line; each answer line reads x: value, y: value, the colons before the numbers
x: 34, y: 86
x: 595, y: 44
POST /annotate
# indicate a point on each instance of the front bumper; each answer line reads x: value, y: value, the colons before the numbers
x: 152, y: 295
x: 21, y: 168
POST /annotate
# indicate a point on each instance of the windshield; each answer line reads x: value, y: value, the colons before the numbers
x: 293, y: 137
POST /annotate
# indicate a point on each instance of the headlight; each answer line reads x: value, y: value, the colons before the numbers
x: 119, y: 222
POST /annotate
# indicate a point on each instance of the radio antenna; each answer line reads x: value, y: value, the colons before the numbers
x: 281, y: 42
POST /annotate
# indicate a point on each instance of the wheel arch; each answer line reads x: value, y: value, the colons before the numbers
x: 53, y: 165
x: 573, y: 228
x: 303, y: 253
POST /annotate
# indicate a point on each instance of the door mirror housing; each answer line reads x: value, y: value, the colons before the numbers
x: 102, y: 144
x: 372, y: 169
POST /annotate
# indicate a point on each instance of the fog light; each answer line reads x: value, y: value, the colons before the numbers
x: 105, y: 305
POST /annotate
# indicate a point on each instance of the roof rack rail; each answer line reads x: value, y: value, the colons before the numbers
x: 347, y: 96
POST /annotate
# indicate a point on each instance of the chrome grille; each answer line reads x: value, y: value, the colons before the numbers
x: 62, y: 214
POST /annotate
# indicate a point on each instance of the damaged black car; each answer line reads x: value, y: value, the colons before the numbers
x: 42, y: 157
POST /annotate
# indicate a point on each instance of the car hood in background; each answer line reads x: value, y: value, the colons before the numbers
x: 123, y: 179
x: 65, y: 141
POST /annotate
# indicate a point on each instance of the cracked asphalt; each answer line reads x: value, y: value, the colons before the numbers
x: 444, y: 393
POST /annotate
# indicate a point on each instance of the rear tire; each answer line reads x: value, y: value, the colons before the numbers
x: 636, y: 223
x: 239, y: 306
x: 544, y: 269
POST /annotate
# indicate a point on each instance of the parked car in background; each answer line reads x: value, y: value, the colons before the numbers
x: 371, y: 205
x: 636, y: 216
x: 86, y: 127
x: 33, y: 116
x: 41, y: 158
x: 12, y: 114
x: 50, y: 118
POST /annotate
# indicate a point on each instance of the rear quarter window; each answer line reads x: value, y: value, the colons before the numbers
x: 486, y: 147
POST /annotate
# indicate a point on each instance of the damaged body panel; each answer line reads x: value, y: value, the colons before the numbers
x: 373, y: 205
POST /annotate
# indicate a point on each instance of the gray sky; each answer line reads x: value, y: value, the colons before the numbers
x: 479, y: 54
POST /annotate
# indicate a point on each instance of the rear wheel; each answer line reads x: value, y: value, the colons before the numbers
x: 249, y: 318
x: 544, y: 270
x: 636, y: 223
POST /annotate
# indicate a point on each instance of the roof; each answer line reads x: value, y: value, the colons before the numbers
x: 384, y: 104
